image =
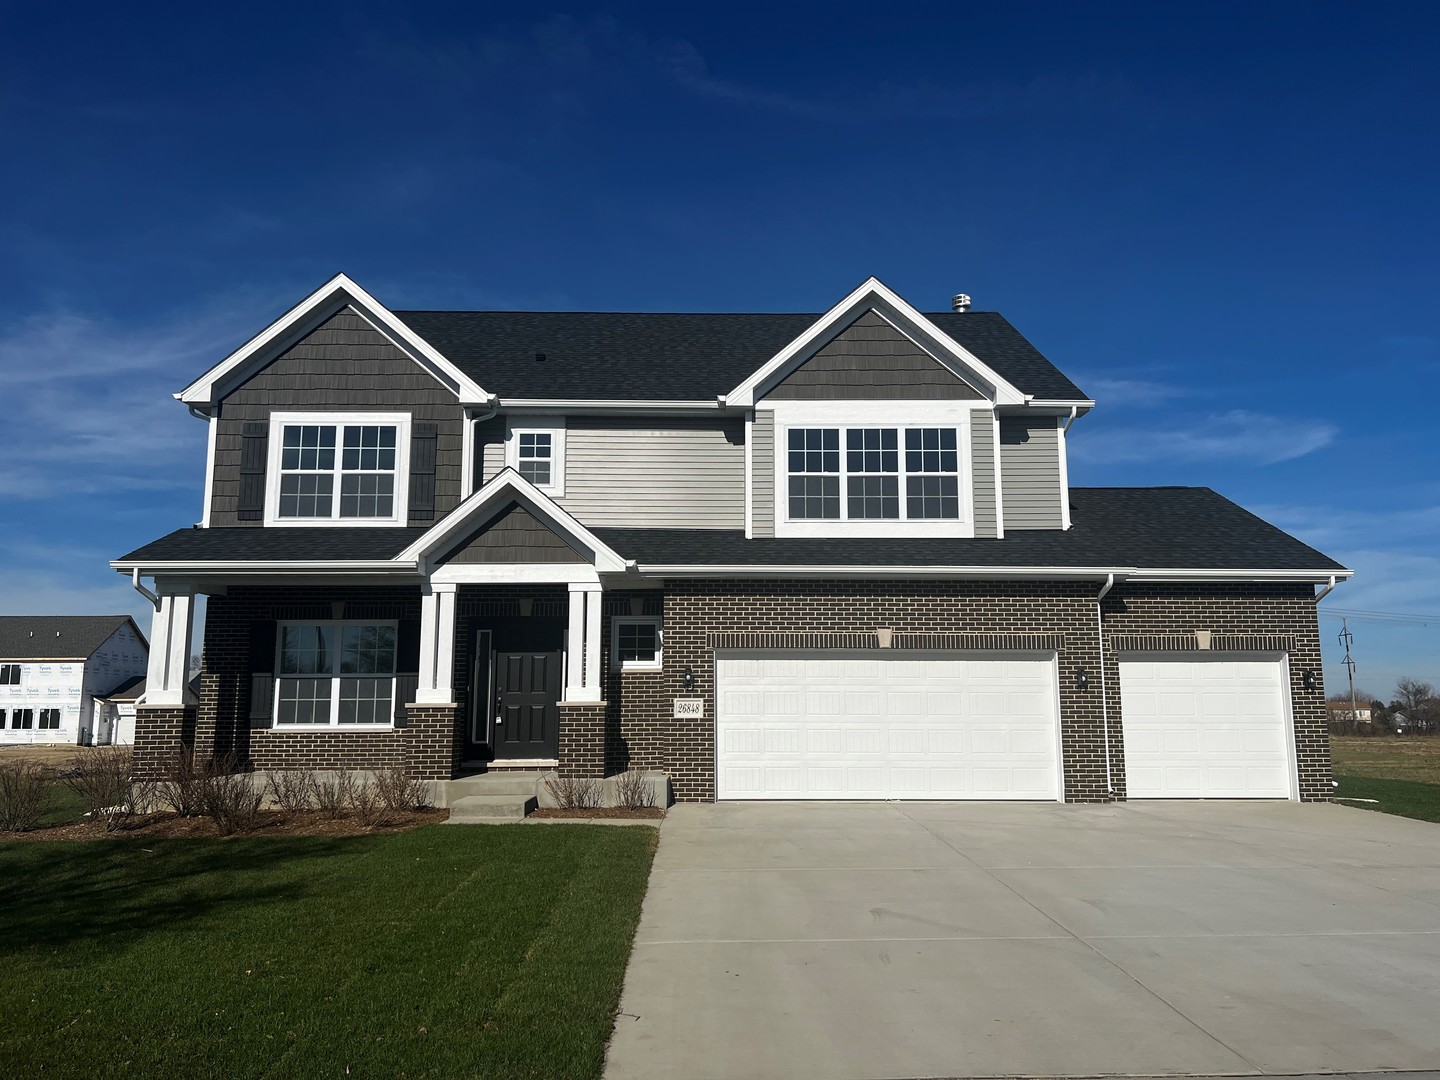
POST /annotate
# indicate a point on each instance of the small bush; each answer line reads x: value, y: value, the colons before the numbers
x: 144, y: 796
x: 367, y: 803
x: 182, y: 787
x: 332, y: 793
x: 633, y: 791
x: 100, y: 776
x: 24, y: 790
x: 231, y: 797
x: 400, y: 791
x: 292, y: 789
x: 575, y: 792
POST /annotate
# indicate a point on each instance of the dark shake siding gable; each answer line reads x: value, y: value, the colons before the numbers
x: 345, y: 365
x: 513, y: 536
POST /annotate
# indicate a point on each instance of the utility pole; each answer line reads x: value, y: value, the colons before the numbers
x: 1346, y: 640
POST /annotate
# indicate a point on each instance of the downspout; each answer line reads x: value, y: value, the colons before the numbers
x: 1104, y: 694
x: 1074, y: 412
x: 1326, y: 591
x: 142, y: 590
x: 473, y: 422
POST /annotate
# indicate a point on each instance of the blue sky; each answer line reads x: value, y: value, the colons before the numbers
x: 1220, y: 219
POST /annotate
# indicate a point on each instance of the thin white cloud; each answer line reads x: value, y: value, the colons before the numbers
x: 1109, y: 391
x: 1237, y: 435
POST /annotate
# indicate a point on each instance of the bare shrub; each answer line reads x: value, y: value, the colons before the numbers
x: 231, y: 798
x: 575, y: 792
x: 144, y: 796
x: 182, y: 787
x: 24, y: 790
x: 367, y: 803
x: 100, y: 776
x: 634, y: 791
x: 401, y: 791
x: 332, y: 793
x: 292, y: 789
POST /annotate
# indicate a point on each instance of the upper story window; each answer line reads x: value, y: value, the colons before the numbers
x: 343, y: 468
x: 873, y: 473
x: 9, y: 674
x: 536, y: 450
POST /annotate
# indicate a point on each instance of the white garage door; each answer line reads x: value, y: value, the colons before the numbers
x: 1205, y: 727
x: 901, y: 725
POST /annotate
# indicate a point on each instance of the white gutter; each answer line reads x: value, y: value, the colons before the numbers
x: 1095, y: 573
x: 339, y: 566
x: 1104, y: 691
x: 591, y: 405
x: 1334, y: 580
x: 141, y: 589
x: 1074, y: 412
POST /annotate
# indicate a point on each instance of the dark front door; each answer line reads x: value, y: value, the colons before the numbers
x: 515, y: 685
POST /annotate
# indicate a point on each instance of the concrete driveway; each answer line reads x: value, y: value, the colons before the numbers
x: 849, y: 940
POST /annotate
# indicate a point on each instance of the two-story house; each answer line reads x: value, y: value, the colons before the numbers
x: 775, y: 556
x: 54, y: 669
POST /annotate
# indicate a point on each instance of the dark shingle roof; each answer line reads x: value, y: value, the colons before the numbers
x: 1154, y: 528
x: 317, y: 543
x: 664, y: 356
x: 55, y: 637
x: 1167, y: 527
x: 130, y: 690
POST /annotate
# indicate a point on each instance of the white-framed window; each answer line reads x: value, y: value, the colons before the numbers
x: 335, y: 674
x: 9, y: 674
x: 22, y: 719
x: 635, y: 643
x: 49, y: 720
x: 873, y: 480
x: 345, y: 468
x: 536, y: 450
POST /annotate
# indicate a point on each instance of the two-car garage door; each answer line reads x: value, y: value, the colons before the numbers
x: 886, y: 725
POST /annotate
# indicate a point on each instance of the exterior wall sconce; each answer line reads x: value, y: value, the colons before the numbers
x: 1082, y: 680
x: 1309, y: 680
x: 687, y: 677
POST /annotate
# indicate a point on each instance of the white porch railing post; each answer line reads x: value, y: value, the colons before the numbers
x: 168, y: 670
x: 437, y: 645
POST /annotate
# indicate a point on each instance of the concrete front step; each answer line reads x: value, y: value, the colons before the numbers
x: 495, y: 783
x: 490, y: 809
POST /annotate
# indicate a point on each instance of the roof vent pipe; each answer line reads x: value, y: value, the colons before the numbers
x: 960, y: 302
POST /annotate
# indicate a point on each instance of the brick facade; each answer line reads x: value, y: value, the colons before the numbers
x: 634, y: 726
x: 160, y: 731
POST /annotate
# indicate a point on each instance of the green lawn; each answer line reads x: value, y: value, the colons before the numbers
x: 440, y: 952
x: 1401, y: 775
x: 1408, y: 798
x: 64, y: 806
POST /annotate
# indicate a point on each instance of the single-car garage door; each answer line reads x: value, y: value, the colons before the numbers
x: 886, y: 725
x: 1205, y: 726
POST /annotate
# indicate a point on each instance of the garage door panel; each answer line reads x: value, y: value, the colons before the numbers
x: 906, y: 726
x: 1205, y: 727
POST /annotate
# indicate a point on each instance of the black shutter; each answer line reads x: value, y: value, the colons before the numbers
x: 423, y: 440
x: 262, y: 668
x: 407, y: 664
x: 254, y: 443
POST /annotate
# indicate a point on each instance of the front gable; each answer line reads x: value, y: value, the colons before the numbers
x: 872, y: 359
x: 514, y: 535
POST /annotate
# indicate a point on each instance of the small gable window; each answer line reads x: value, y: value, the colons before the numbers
x: 537, y: 452
x: 334, y: 468
x: 536, y: 456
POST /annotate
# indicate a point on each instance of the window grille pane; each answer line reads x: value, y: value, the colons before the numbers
x: 535, y: 444
x: 308, y: 446
x: 931, y: 450
x: 367, y: 650
x: 367, y: 495
x: 537, y: 471
x: 871, y: 450
x: 814, y: 450
x: 873, y: 497
x: 304, y: 701
x: 932, y: 497
x: 638, y: 641
x: 366, y: 701
x: 369, y: 447
x: 306, y: 495
x: 307, y: 650
x: 815, y: 497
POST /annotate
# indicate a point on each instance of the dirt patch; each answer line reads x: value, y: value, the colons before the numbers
x: 55, y: 756
x: 647, y: 813
x: 167, y: 826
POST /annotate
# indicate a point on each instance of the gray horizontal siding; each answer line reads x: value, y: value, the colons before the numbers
x: 489, y: 449
x: 345, y: 365
x: 982, y: 471
x: 1030, y: 473
x: 675, y: 474
x: 871, y: 360
x: 762, y: 474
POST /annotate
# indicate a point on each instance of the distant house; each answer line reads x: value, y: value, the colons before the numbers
x: 54, y: 668
x: 1342, y: 713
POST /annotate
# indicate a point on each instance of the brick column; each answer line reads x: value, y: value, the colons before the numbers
x: 582, y: 738
x: 160, y: 732
x: 434, y: 737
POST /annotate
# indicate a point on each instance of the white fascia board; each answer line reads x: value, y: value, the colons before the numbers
x: 329, y: 298
x: 994, y: 573
x: 514, y: 574
x: 871, y: 292
x: 1034, y: 404
x: 282, y: 566
x: 593, y: 405
x: 507, y: 485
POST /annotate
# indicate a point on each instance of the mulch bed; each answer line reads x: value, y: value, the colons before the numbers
x: 649, y: 813
x: 166, y: 825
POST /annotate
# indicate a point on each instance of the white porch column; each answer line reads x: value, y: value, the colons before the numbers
x: 582, y: 653
x: 169, y: 664
x: 437, y: 645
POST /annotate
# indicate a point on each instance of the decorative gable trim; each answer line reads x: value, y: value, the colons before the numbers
x: 873, y: 293
x: 334, y: 296
x: 496, y: 497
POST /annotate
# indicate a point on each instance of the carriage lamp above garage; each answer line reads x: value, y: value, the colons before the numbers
x: 1082, y: 680
x: 687, y: 678
x: 1309, y: 680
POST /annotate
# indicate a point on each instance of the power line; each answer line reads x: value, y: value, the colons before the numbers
x: 1398, y: 617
